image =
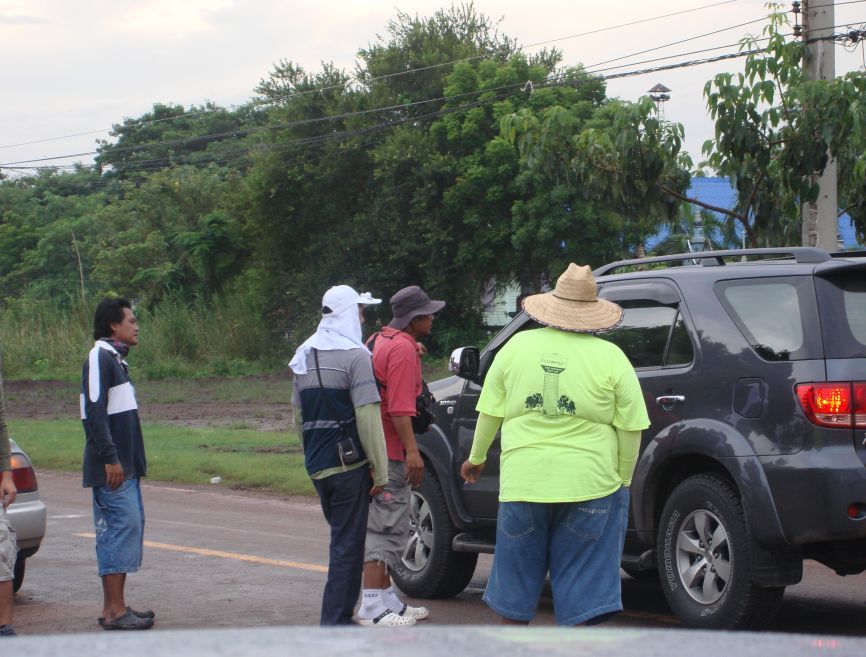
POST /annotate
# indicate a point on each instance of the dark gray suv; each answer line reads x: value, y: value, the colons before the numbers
x: 753, y: 368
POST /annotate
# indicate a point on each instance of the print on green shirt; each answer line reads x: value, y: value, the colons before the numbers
x: 549, y: 400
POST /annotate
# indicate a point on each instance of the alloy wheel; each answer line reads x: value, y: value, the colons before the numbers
x: 419, y: 547
x: 704, y: 556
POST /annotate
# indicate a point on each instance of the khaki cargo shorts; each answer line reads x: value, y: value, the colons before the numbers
x: 388, y: 522
x: 8, y: 548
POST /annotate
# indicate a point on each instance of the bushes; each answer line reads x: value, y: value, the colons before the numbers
x: 44, y: 339
x: 227, y: 336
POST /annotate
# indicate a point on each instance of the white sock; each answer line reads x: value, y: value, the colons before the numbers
x: 392, y: 600
x: 374, y: 602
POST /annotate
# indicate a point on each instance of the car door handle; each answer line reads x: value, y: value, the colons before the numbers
x: 670, y: 400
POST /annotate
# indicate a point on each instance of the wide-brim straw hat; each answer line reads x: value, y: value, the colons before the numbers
x: 574, y: 304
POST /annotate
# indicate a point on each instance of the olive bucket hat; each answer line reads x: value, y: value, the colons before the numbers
x: 410, y: 302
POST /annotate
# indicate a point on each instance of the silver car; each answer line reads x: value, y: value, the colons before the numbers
x: 27, y: 513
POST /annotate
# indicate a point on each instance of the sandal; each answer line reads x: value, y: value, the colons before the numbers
x: 418, y: 613
x: 129, y: 621
x: 388, y: 619
x: 148, y: 613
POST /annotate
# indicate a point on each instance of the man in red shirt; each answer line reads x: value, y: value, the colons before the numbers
x: 397, y: 367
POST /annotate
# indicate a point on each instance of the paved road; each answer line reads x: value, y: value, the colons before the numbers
x: 217, y: 558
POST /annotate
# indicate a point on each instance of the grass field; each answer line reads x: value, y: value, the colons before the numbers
x: 267, y: 460
x: 237, y: 428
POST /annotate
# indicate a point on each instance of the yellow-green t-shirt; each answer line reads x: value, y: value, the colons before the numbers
x: 562, y: 395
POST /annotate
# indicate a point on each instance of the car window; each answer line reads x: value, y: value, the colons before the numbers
x: 854, y: 301
x: 842, y: 298
x: 644, y: 331
x: 680, y: 351
x: 771, y: 314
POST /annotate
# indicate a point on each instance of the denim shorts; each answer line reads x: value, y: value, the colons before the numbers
x: 118, y: 516
x: 578, y: 543
x: 8, y: 548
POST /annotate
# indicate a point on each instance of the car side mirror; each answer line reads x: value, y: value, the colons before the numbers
x: 464, y: 362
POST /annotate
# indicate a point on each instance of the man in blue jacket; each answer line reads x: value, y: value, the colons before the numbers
x: 114, y: 460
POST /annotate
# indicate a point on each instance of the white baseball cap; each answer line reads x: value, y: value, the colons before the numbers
x: 340, y: 297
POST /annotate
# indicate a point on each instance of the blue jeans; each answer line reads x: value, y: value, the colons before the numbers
x: 118, y: 516
x: 345, y: 499
x: 579, y: 543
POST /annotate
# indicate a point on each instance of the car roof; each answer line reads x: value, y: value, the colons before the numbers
x: 734, y: 263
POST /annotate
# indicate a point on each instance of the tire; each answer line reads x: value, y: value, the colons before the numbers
x: 711, y: 586
x: 642, y: 575
x: 430, y: 568
x: 18, y: 575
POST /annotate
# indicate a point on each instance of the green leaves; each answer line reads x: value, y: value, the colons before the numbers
x: 773, y: 132
x: 622, y: 160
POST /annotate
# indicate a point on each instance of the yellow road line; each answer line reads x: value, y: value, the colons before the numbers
x: 205, y: 552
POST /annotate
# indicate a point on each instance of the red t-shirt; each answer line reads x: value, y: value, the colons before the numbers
x: 397, y: 365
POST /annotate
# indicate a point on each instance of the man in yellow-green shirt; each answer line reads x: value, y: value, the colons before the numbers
x: 571, y: 411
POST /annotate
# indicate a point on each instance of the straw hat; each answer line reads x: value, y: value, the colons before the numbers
x: 574, y: 304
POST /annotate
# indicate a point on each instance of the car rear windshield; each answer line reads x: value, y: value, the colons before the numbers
x: 776, y: 315
x: 842, y: 300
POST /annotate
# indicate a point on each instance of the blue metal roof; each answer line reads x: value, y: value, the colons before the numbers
x: 718, y: 191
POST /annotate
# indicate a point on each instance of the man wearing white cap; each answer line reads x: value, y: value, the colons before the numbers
x: 336, y: 408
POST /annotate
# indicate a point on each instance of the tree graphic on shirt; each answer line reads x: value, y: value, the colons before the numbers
x: 549, y: 401
x: 534, y: 401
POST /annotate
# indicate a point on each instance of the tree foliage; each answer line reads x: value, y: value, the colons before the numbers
x: 621, y: 164
x: 448, y: 158
x: 775, y: 130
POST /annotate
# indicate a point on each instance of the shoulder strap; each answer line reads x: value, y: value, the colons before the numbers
x: 325, y: 397
x: 372, y: 344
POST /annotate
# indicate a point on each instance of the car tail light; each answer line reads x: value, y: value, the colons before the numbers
x: 23, y: 475
x: 826, y: 404
x: 860, y: 405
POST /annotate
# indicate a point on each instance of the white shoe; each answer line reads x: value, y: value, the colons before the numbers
x: 418, y: 613
x: 388, y: 619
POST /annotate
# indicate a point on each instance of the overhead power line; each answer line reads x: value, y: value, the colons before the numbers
x: 515, y: 88
x: 676, y: 43
x: 396, y: 74
x: 245, y: 131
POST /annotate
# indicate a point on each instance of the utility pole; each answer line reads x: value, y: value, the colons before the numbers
x: 820, y: 219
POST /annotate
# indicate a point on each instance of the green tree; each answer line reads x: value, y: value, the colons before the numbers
x: 45, y: 220
x: 175, y: 233
x: 172, y: 134
x: 347, y: 192
x: 626, y: 164
x: 774, y: 130
x: 719, y: 232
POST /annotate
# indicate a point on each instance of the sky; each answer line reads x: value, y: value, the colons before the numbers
x: 79, y: 67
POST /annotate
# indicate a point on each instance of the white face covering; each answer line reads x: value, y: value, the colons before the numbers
x: 340, y: 327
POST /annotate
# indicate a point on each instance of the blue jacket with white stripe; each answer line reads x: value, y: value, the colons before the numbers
x: 109, y: 412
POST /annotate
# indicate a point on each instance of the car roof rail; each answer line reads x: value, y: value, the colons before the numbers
x: 802, y: 254
x: 857, y: 253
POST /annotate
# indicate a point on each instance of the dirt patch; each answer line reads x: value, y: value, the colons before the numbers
x: 235, y: 415
x: 203, y: 403
x: 269, y: 449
